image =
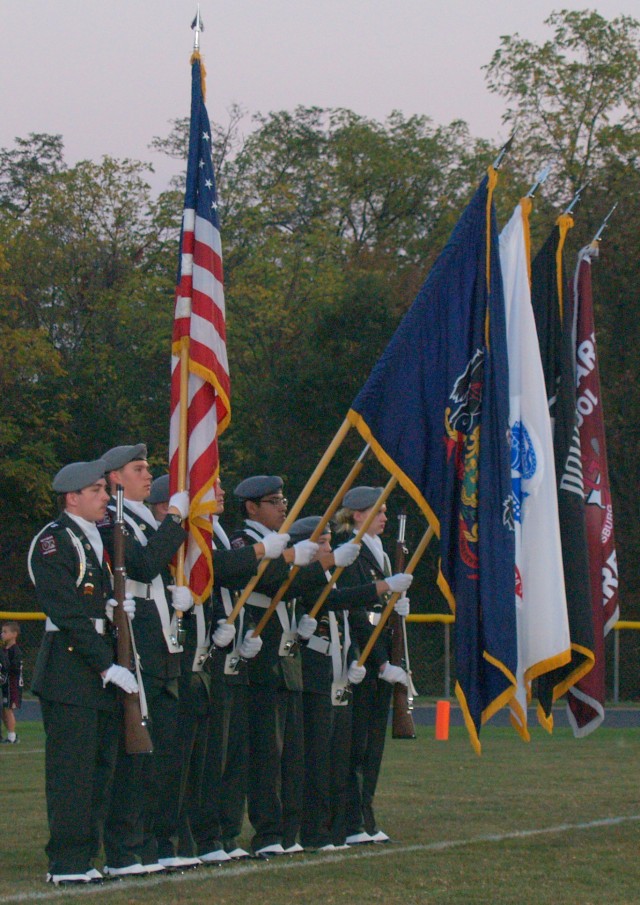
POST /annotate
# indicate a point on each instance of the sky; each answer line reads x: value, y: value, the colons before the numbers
x: 109, y: 76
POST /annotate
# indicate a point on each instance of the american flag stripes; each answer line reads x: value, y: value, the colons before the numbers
x: 200, y: 409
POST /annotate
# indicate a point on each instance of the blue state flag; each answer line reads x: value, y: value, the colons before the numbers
x: 435, y: 410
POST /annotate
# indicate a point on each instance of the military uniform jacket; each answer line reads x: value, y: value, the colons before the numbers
x: 71, y: 659
x: 317, y: 667
x: 143, y: 564
x: 366, y: 569
x: 230, y: 569
x: 269, y: 668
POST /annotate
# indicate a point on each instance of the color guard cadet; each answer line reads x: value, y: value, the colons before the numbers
x: 276, y: 763
x: 75, y: 676
x: 372, y: 698
x: 329, y: 671
x: 142, y: 826
x: 217, y: 820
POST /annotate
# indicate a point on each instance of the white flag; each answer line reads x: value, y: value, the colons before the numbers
x: 541, y: 605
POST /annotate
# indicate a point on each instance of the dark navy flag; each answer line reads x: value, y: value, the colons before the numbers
x: 554, y: 327
x: 436, y: 413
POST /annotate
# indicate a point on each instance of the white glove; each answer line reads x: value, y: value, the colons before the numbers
x: 121, y: 677
x: 180, y: 501
x: 304, y: 552
x: 128, y: 605
x: 346, y: 554
x: 393, y: 674
x: 402, y: 606
x: 224, y: 634
x: 399, y: 583
x: 355, y: 673
x: 274, y: 544
x: 181, y: 598
x: 251, y: 646
x: 306, y: 627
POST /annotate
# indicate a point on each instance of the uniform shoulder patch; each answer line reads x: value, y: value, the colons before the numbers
x: 48, y: 544
x: 237, y: 543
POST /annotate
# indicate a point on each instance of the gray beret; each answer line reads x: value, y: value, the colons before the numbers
x: 159, y: 490
x: 258, y: 486
x: 303, y: 528
x: 361, y: 498
x: 77, y: 475
x: 120, y: 456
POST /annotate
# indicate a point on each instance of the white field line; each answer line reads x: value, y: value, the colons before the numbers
x: 51, y: 894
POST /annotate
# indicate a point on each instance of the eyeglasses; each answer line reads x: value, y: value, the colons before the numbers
x: 275, y: 501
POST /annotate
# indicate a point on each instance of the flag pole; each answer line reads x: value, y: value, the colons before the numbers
x: 576, y: 198
x: 506, y: 147
x: 541, y: 178
x: 596, y: 239
x: 184, y: 398
x: 315, y: 536
x: 319, y: 470
x: 364, y: 527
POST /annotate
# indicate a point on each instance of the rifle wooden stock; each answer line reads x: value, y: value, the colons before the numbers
x: 136, y: 735
x: 402, y: 725
x: 388, y: 610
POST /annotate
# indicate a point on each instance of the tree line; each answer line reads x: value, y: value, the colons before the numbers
x: 330, y: 223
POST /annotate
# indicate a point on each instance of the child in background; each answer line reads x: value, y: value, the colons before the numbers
x: 12, y: 688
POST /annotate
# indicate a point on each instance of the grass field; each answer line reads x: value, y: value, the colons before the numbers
x: 554, y: 821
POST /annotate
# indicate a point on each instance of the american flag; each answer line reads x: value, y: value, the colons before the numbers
x: 199, y: 338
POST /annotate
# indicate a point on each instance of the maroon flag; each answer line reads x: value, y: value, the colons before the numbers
x: 585, y: 702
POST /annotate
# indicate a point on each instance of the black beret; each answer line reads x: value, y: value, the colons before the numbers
x: 258, y: 486
x: 361, y: 498
x: 77, y: 475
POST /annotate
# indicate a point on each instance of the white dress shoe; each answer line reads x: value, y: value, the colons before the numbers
x: 130, y: 870
x: 94, y: 876
x: 216, y: 857
x: 238, y: 853
x: 63, y: 879
x: 380, y: 837
x: 178, y: 862
x: 266, y: 850
x: 358, y: 839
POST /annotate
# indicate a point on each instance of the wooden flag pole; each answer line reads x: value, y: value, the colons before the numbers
x: 411, y: 565
x: 317, y: 533
x: 182, y: 465
x: 319, y: 470
x: 364, y: 527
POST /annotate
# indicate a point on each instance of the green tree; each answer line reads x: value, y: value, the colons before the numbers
x: 574, y: 98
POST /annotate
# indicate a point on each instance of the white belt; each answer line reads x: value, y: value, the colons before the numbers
x: 321, y: 645
x: 260, y: 600
x: 98, y: 624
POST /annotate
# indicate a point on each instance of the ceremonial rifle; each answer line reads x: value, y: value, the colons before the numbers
x: 136, y: 734
x: 402, y: 725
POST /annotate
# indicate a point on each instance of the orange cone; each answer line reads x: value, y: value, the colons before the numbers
x: 443, y: 712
